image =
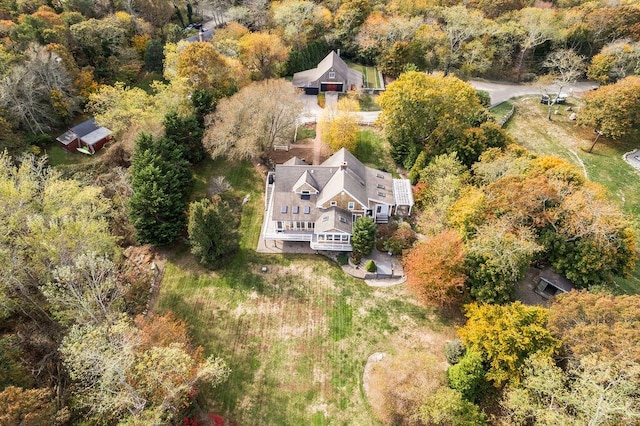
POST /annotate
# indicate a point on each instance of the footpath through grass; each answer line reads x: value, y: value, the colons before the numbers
x: 296, y: 337
x: 605, y: 165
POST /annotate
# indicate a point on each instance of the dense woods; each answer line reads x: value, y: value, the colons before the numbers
x: 77, y: 343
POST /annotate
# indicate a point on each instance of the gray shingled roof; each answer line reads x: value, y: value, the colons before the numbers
x: 343, y: 156
x: 344, y: 180
x: 294, y: 161
x: 334, y: 219
x: 559, y: 281
x: 332, y: 60
x: 363, y: 183
x: 306, y: 178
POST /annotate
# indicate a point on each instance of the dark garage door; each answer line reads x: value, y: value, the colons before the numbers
x: 331, y: 87
x: 311, y: 90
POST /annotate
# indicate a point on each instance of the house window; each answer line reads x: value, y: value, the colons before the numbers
x: 333, y: 203
x: 381, y: 186
x: 352, y: 205
x: 332, y: 74
x: 295, y: 209
x: 279, y: 226
x: 380, y: 194
x: 305, y: 192
x: 345, y: 238
x: 380, y: 175
x: 283, y: 209
x: 311, y: 225
x: 307, y: 209
x: 343, y: 219
x: 325, y: 219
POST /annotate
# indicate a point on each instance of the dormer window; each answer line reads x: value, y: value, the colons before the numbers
x: 332, y: 74
x: 380, y: 194
x: 295, y: 209
x: 307, y: 209
x: 380, y: 175
x: 283, y: 209
x: 380, y: 186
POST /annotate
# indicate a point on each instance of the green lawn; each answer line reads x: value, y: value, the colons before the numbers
x: 605, y: 165
x: 296, y: 337
x: 305, y: 133
x: 371, y: 75
x: 70, y: 162
x: 371, y: 150
x: 500, y: 110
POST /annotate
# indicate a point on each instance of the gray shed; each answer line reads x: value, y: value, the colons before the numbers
x: 551, y: 283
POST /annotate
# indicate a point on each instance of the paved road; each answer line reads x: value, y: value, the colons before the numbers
x: 312, y: 112
x: 215, y: 19
x: 500, y: 91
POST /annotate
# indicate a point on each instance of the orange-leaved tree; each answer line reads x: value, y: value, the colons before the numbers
x: 434, y: 270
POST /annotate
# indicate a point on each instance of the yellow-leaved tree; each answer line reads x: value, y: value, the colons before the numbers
x: 339, y: 125
x: 506, y: 336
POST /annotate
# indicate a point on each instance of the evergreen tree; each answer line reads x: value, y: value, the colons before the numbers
x: 364, y: 236
x: 203, y: 103
x: 153, y: 56
x: 187, y: 133
x: 160, y: 181
x: 211, y: 230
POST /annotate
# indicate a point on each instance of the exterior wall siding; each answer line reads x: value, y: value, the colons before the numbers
x: 342, y: 201
x: 340, y: 78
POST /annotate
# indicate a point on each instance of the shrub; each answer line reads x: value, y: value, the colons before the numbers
x: 371, y: 266
x: 343, y: 258
x: 453, y: 351
x: 321, y: 100
x: 467, y: 376
x: 447, y: 407
x: 484, y: 97
x: 401, y: 239
x: 41, y: 141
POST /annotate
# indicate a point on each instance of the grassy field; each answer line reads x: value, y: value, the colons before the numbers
x: 561, y: 137
x: 296, y: 337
